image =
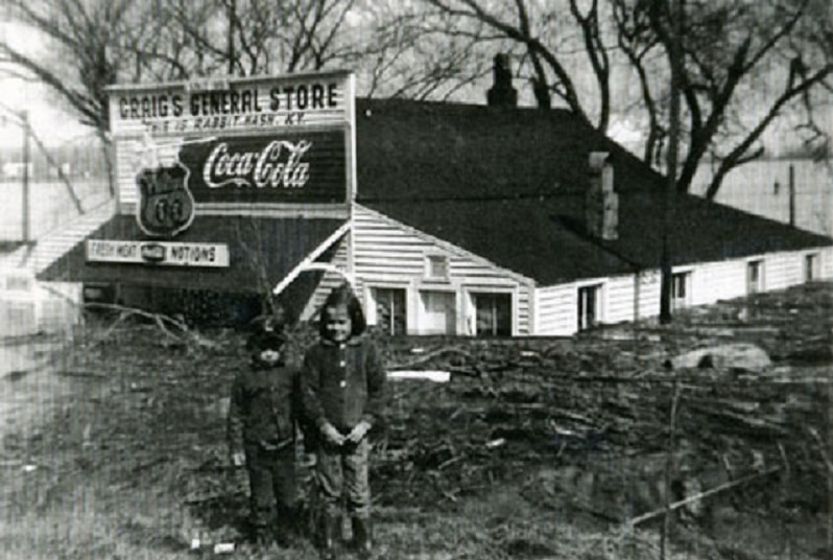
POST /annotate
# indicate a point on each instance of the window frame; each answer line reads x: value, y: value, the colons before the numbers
x: 598, y: 305
x: 687, y: 283
x: 422, y: 309
x: 759, y: 265
x: 429, y: 268
x: 811, y: 266
x: 373, y: 301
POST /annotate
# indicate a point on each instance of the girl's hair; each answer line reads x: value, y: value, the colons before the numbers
x: 343, y: 295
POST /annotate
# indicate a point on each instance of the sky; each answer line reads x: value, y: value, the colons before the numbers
x: 50, y: 123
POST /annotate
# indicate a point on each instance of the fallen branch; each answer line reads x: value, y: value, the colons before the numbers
x: 159, y: 319
x: 78, y: 373
x: 822, y: 449
x: 705, y: 494
x: 431, y: 355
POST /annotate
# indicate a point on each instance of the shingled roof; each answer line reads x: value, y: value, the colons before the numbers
x: 508, y: 184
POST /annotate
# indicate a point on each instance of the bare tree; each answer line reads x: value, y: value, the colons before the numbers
x: 536, y: 28
x: 83, y: 32
x: 727, y: 46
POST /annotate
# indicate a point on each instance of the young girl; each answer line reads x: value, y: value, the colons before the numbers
x: 261, y: 435
x: 343, y: 382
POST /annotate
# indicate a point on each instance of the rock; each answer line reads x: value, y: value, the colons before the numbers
x: 738, y: 356
x: 218, y: 408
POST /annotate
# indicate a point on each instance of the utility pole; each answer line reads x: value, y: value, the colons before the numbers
x: 24, y: 119
x: 675, y: 60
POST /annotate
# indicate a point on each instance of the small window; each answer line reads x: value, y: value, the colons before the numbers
x: 493, y: 314
x: 391, y: 311
x: 680, y: 290
x: 755, y: 276
x: 437, y: 267
x: 811, y: 267
x: 589, y: 306
x: 439, y: 312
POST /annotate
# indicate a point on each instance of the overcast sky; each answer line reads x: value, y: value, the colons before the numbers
x: 49, y: 122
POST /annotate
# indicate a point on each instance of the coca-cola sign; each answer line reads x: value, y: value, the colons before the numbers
x: 305, y: 167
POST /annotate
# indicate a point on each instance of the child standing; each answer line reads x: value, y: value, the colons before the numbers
x: 343, y: 394
x: 261, y: 435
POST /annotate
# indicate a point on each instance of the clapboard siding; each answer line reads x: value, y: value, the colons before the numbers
x: 556, y: 310
x: 386, y: 252
x: 648, y: 290
x: 826, y: 264
x: 329, y: 280
x: 619, y: 291
x: 783, y: 270
x: 718, y: 280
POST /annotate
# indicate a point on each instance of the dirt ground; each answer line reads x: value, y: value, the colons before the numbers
x: 536, y: 448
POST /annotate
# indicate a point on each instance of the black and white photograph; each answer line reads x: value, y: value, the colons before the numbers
x: 416, y: 279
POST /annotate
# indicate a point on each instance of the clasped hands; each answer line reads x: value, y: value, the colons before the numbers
x: 333, y: 436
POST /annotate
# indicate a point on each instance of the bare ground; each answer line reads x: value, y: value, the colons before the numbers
x: 536, y: 448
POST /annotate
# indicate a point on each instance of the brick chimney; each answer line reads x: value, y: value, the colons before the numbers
x: 502, y: 94
x: 601, y: 203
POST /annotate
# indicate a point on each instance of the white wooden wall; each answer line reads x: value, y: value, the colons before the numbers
x: 627, y: 297
x: 329, y: 280
x: 387, y: 253
x: 557, y: 306
x: 827, y: 263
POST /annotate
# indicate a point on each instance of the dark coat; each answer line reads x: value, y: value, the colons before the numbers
x: 265, y: 404
x: 343, y: 383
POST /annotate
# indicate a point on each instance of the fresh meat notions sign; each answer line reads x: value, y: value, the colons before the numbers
x: 305, y: 167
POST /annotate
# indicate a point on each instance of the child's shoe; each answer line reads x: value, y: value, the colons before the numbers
x: 362, y: 538
x: 327, y: 537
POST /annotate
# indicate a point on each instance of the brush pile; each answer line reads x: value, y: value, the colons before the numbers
x: 589, y: 417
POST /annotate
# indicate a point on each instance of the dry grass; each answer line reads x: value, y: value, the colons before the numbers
x: 131, y: 465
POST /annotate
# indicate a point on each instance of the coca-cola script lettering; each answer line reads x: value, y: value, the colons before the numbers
x: 280, y: 168
x: 278, y: 165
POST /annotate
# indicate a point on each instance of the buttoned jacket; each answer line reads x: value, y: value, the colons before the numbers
x: 343, y: 383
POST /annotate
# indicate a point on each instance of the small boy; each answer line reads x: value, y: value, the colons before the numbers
x: 261, y: 435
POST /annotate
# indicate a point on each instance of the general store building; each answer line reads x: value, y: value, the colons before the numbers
x: 448, y: 218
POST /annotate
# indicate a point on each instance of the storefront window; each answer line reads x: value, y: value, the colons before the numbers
x: 391, y: 310
x: 439, y: 313
x: 493, y: 314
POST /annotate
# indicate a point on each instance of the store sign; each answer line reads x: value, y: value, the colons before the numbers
x: 166, y: 206
x: 276, y: 168
x: 218, y: 105
x: 163, y: 253
x: 225, y: 145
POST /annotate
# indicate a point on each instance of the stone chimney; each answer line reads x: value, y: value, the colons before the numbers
x: 601, y: 203
x: 502, y: 94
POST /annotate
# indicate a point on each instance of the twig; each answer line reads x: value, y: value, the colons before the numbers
x: 822, y: 450
x: 705, y: 494
x: 157, y: 318
x: 449, y: 462
x: 431, y: 355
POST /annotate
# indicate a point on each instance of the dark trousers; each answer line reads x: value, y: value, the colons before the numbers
x: 272, y: 486
x: 343, y: 470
